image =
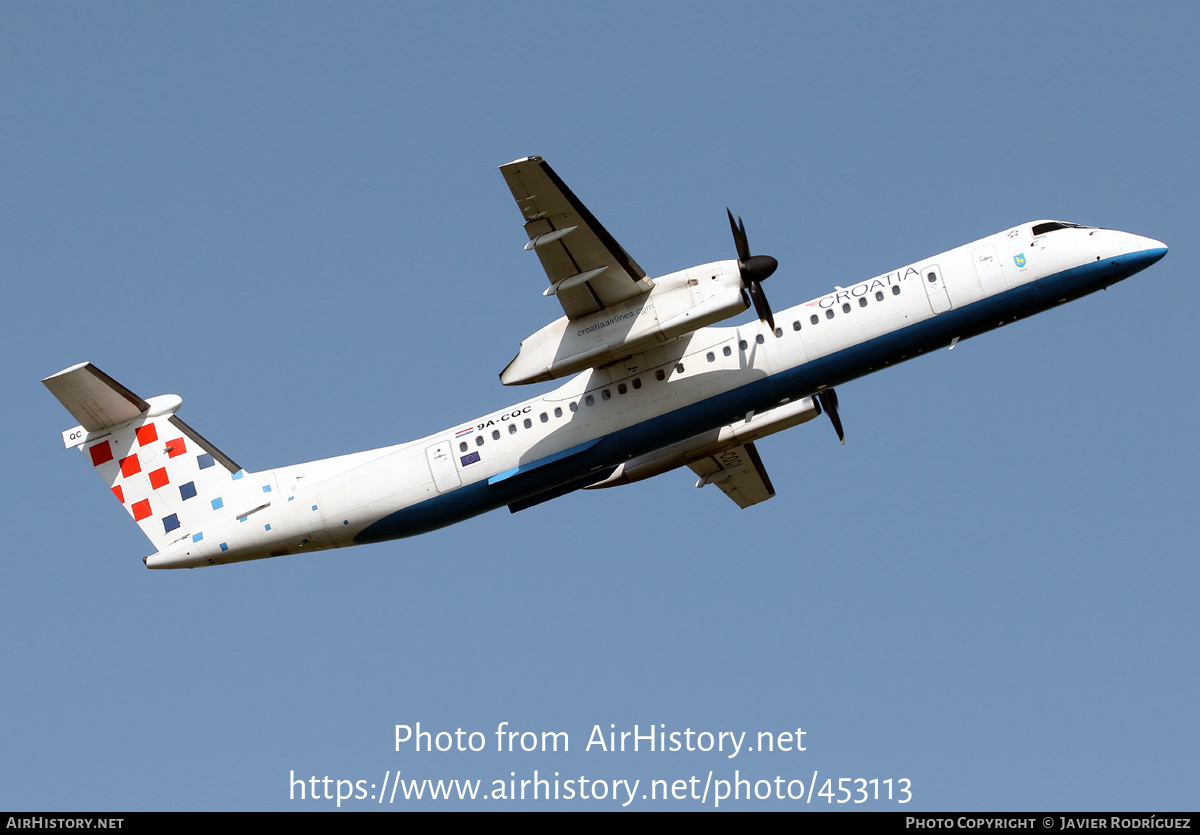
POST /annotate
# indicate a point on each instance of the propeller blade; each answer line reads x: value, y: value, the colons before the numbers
x: 739, y: 236
x: 828, y: 402
x: 760, y: 304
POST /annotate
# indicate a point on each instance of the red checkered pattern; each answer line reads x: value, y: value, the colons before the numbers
x: 158, y: 478
x: 101, y: 453
x: 147, y: 434
x: 141, y: 510
x: 176, y: 447
x: 130, y: 466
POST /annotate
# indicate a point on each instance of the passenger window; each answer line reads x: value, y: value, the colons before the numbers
x: 495, y: 434
x: 605, y: 395
x: 743, y: 344
x: 932, y: 278
x: 878, y: 295
x: 589, y: 400
x: 462, y: 447
x: 726, y: 350
x: 478, y: 440
x: 895, y: 289
x: 829, y: 313
x: 528, y: 423
x: 512, y: 429
x: 862, y: 302
x: 545, y: 418
x: 759, y: 339
x: 679, y: 368
x: 558, y: 411
x: 660, y: 375
x: 637, y: 382
x: 813, y: 319
x: 573, y: 406
x: 711, y: 356
x: 796, y: 325
x: 778, y: 333
x: 846, y: 307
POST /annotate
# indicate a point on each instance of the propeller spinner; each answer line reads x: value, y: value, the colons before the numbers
x: 754, y: 269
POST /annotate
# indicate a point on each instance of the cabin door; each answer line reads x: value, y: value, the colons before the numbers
x: 935, y: 288
x: 441, y: 465
x: 991, y: 272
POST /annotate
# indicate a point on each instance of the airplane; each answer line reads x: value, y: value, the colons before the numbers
x: 652, y: 385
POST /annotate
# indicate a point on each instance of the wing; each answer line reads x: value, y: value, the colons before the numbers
x: 588, y: 270
x: 739, y: 472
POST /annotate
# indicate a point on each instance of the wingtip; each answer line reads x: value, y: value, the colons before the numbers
x: 531, y: 158
x: 74, y: 367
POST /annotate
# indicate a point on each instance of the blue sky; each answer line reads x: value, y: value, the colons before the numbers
x: 290, y: 215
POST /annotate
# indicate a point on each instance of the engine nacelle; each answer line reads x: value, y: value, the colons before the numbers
x: 678, y: 303
x: 753, y: 428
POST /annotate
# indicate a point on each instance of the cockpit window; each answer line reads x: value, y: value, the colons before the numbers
x: 1053, y: 225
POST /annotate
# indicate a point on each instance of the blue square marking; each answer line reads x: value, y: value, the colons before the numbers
x: 217, y: 503
x: 205, y: 461
x: 291, y: 498
x: 238, y: 474
x: 224, y: 546
x: 345, y: 521
x: 198, y: 537
x: 170, y: 523
x: 266, y: 488
x: 314, y: 507
x: 187, y: 491
x: 267, y: 526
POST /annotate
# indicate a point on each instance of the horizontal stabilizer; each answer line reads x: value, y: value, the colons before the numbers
x: 96, y: 400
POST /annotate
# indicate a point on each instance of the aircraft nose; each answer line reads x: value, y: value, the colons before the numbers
x: 1157, y: 247
x: 1139, y: 244
x: 1140, y: 252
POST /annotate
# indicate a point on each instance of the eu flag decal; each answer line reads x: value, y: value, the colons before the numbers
x: 1019, y: 259
x: 469, y: 459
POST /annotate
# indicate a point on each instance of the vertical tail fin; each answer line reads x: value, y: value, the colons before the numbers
x: 166, y: 475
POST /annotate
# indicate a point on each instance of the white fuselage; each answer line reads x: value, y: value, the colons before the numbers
x: 581, y: 432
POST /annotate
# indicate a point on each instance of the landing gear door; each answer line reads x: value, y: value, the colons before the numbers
x: 441, y: 465
x: 935, y: 288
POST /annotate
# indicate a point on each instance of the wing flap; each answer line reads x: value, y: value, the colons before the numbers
x: 588, y: 270
x: 739, y: 472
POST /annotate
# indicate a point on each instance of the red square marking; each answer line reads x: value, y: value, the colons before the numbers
x: 119, y: 493
x: 176, y: 447
x: 101, y: 452
x: 158, y: 478
x: 141, y: 510
x: 130, y: 466
x: 147, y: 434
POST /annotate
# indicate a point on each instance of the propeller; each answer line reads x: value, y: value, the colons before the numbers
x: 754, y: 269
x: 827, y: 400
